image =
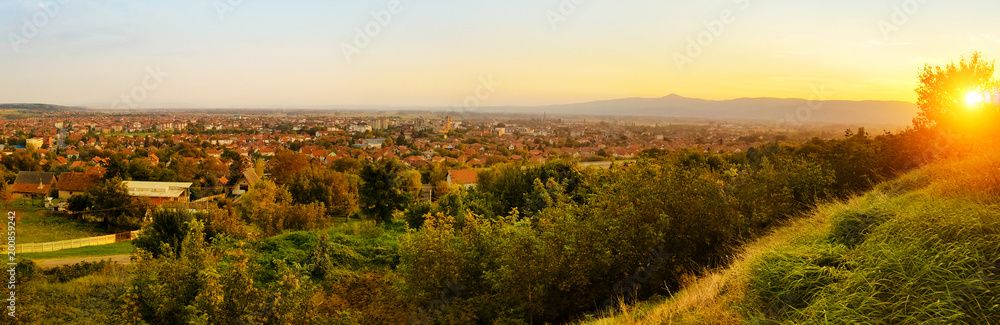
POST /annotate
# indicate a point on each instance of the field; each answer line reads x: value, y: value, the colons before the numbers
x: 37, y: 226
x: 14, y: 113
x: 122, y: 248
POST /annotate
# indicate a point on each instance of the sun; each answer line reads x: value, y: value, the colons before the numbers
x: 973, y: 99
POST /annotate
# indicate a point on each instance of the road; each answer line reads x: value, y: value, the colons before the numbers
x: 123, y: 259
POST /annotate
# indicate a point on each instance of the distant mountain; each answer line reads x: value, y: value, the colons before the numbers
x: 796, y: 111
x: 40, y: 107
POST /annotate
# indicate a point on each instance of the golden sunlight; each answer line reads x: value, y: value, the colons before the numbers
x: 973, y: 99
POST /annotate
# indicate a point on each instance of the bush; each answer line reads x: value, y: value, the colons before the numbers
x: 79, y: 270
x: 416, y: 213
x: 167, y: 228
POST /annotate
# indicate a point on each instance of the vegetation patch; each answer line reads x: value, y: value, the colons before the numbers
x: 122, y: 248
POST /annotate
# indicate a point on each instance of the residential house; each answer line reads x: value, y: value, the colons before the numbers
x: 159, y: 192
x: 33, y: 184
x: 466, y: 177
x: 73, y: 183
x: 247, y: 179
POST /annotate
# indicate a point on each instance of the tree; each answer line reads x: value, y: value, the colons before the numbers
x: 6, y: 194
x: 323, y: 185
x: 119, y: 210
x: 385, y: 188
x: 185, y: 169
x: 263, y: 205
x: 21, y: 160
x: 236, y: 168
x: 223, y: 219
x: 80, y: 202
x: 140, y: 170
x: 346, y: 165
x: 167, y: 227
x: 942, y: 93
x: 258, y: 166
x: 285, y: 164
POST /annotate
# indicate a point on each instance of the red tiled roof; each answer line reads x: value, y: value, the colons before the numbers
x: 77, y: 182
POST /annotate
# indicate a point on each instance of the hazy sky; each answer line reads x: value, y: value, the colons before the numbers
x: 206, y: 53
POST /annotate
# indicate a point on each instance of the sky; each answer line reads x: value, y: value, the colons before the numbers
x: 446, y: 53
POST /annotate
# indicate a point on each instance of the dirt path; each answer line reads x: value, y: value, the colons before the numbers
x: 123, y: 259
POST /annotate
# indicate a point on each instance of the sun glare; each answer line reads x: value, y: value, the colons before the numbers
x: 973, y: 99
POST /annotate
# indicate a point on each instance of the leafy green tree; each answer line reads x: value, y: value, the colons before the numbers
x: 416, y: 213
x: 162, y: 289
x: 263, y: 205
x: 346, y: 165
x: 80, y: 202
x: 385, y: 188
x: 168, y: 229
x: 223, y: 219
x: 140, y: 170
x: 323, y: 185
x: 119, y: 210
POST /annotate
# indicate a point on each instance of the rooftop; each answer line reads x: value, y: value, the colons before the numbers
x: 156, y: 189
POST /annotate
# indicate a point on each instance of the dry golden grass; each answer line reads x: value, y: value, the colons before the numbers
x: 713, y: 297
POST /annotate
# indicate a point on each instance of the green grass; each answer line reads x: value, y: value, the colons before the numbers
x: 934, y: 261
x: 38, y: 226
x: 122, y: 248
x: 98, y: 298
x: 354, y: 244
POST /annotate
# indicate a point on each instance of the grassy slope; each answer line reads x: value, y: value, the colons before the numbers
x: 923, y: 248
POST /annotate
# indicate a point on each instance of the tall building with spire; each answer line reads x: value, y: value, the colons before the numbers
x: 447, y: 125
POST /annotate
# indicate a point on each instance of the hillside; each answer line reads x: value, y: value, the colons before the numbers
x: 871, y: 113
x: 924, y: 248
x: 23, y: 111
x: 40, y: 107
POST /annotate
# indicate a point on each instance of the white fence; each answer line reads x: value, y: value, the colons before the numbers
x: 73, y: 243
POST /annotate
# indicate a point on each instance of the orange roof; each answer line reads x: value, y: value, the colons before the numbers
x: 32, y: 188
x: 466, y: 176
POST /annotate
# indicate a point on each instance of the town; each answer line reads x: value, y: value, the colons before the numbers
x: 69, y: 153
